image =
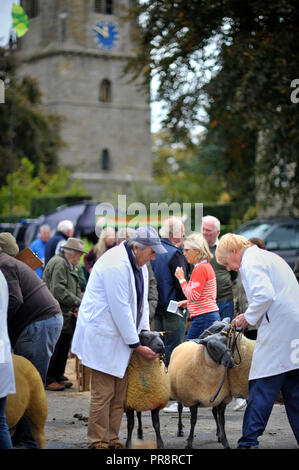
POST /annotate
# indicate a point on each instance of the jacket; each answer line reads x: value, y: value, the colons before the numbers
x: 7, y: 378
x: 106, y: 323
x: 273, y: 297
x: 29, y: 298
x: 52, y: 243
x: 63, y: 282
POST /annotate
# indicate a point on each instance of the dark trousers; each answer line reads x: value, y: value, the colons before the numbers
x: 262, y: 395
x: 174, y: 326
x: 58, y: 360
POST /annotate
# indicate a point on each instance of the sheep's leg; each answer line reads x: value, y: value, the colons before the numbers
x: 38, y: 433
x: 139, y: 429
x: 214, y: 411
x: 180, y: 423
x: 193, y: 419
x: 219, y: 415
x: 156, y: 425
x: 130, y: 426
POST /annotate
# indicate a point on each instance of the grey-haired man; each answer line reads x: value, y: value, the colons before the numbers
x: 113, y: 311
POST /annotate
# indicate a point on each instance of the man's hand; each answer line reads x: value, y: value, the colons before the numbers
x: 240, y: 321
x: 146, y: 352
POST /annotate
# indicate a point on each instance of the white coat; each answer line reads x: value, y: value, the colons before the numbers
x: 7, y: 378
x: 273, y: 296
x: 106, y: 322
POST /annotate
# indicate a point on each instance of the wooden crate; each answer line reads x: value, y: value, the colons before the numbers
x: 83, y: 376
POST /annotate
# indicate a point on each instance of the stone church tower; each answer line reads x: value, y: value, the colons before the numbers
x: 77, y: 50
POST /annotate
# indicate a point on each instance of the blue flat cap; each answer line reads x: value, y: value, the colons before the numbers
x: 148, y: 236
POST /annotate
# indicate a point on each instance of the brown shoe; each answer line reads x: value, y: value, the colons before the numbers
x: 66, y: 383
x: 115, y: 444
x: 55, y: 387
x: 100, y: 445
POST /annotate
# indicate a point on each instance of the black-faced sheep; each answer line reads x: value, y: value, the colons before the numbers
x: 195, y: 377
x: 30, y: 400
x: 148, y: 387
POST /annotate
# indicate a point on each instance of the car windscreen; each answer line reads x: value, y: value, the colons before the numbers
x: 255, y: 230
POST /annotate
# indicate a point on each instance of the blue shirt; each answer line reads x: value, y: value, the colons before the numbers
x: 38, y: 247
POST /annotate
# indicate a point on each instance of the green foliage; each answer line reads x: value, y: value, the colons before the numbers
x: 27, y: 185
x: 179, y: 170
x: 238, y: 59
x: 35, y: 133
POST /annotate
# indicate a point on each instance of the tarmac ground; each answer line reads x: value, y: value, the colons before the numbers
x: 66, y: 427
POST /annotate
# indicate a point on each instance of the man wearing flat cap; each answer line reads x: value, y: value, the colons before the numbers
x: 34, y: 319
x: 113, y: 311
x: 61, y: 277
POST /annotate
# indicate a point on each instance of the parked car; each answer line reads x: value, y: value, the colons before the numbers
x: 281, y: 235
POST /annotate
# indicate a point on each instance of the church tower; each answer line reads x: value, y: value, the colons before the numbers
x: 77, y: 49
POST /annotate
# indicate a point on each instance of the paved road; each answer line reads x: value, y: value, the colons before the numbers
x: 65, y: 431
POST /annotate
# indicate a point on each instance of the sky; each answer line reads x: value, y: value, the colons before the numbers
x: 5, y: 19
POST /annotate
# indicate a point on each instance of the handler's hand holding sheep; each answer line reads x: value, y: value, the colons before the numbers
x: 146, y: 352
x: 240, y: 321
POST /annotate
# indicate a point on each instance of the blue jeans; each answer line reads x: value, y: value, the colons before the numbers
x: 37, y: 342
x: 262, y: 395
x: 201, y: 323
x: 226, y: 309
x: 175, y: 328
x: 5, y: 440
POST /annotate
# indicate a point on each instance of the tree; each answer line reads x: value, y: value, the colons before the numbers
x: 238, y: 60
x: 27, y: 185
x: 35, y: 133
x: 178, y: 168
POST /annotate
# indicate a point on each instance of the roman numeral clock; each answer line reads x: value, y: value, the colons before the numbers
x: 106, y: 35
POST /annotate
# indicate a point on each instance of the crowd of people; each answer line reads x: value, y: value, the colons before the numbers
x: 94, y: 303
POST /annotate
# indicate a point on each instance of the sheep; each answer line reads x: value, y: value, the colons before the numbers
x: 148, y: 387
x: 194, y: 378
x: 30, y: 400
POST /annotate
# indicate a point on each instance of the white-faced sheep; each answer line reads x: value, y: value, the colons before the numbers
x: 30, y: 400
x: 195, y: 377
x: 148, y: 386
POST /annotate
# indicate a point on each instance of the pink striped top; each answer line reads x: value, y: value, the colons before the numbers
x: 200, y: 291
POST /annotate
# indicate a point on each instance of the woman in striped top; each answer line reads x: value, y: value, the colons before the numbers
x: 200, y: 291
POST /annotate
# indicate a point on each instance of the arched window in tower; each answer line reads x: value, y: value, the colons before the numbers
x: 103, y: 6
x: 105, y: 163
x: 105, y: 91
x: 31, y: 7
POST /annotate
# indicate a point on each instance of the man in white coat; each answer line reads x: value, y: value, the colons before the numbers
x: 273, y: 296
x: 113, y: 311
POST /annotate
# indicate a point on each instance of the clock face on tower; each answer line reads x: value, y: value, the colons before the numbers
x: 106, y: 34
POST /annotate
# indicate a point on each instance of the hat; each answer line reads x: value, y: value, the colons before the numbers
x: 74, y: 244
x: 148, y: 236
x: 8, y: 244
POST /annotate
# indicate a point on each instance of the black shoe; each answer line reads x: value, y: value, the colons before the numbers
x: 61, y: 378
x: 247, y: 447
